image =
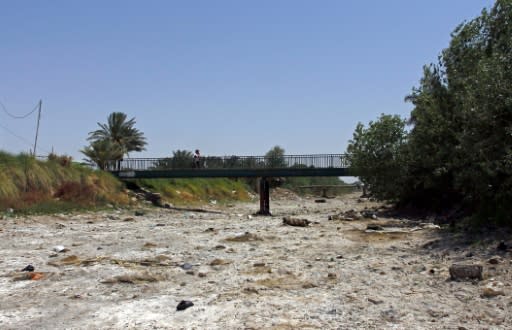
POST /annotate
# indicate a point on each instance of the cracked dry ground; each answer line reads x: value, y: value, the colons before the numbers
x: 120, y: 271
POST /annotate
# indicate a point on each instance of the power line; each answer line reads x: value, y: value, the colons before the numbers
x: 18, y: 117
x: 28, y: 143
x: 16, y: 135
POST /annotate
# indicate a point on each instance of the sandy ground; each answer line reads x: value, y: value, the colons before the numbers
x: 122, y: 271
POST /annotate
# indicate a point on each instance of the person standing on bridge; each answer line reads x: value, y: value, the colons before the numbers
x: 197, y: 159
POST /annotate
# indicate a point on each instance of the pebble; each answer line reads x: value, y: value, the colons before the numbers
x: 184, y: 304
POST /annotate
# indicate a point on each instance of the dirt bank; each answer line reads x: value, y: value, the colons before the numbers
x: 116, y: 270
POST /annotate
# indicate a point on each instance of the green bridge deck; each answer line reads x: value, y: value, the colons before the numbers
x: 235, y: 167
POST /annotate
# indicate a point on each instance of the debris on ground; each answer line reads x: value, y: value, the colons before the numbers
x: 184, y: 304
x: 296, y: 222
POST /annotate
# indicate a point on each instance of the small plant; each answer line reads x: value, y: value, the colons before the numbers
x: 62, y: 160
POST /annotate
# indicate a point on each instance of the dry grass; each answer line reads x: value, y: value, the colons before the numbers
x: 36, y: 186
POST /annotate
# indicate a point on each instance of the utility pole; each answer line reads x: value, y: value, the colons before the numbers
x: 37, y: 128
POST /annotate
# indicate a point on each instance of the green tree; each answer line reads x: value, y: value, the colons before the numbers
x: 479, y: 70
x: 275, y: 157
x: 102, y: 152
x: 121, y: 132
x: 433, y: 143
x: 460, y: 146
x: 182, y: 159
x: 377, y: 154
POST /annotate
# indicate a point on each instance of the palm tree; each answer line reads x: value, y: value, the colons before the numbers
x: 121, y: 132
x: 113, y: 140
x: 103, y: 152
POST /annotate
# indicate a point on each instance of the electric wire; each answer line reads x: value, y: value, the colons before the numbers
x: 18, y: 117
x: 28, y: 143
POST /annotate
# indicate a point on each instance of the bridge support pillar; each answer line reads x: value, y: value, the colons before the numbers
x: 264, y: 197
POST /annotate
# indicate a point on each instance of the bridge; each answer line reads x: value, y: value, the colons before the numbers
x: 263, y: 167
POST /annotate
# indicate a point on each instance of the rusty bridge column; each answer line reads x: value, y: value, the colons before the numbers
x: 264, y: 197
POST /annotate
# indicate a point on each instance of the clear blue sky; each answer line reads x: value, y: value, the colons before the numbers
x: 227, y: 77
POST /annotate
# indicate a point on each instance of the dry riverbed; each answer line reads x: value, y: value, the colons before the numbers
x: 118, y: 270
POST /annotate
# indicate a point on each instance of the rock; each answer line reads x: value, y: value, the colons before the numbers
x: 502, y: 246
x: 184, y: 304
x: 374, y: 227
x: 320, y: 200
x: 60, y: 248
x: 495, y: 260
x: 154, y: 198
x: 493, y: 289
x: 186, y: 266
x: 296, y: 222
x: 139, y: 213
x: 28, y: 268
x: 369, y: 215
x: 219, y: 262
x: 375, y: 301
x: 461, y: 272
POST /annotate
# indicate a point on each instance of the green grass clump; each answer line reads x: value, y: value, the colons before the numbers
x: 196, y: 191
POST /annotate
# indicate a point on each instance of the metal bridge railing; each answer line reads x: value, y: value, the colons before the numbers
x: 232, y: 162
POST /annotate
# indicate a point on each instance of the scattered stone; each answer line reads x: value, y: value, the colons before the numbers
x: 251, y: 290
x: 461, y: 272
x: 28, y: 268
x: 129, y: 219
x: 495, y: 260
x: 349, y: 215
x: 332, y: 276
x: 369, y: 215
x: 186, y: 266
x: 139, y: 213
x: 219, y: 262
x: 149, y: 245
x: 201, y: 274
x: 375, y: 301
x: 71, y: 260
x: 60, y: 249
x: 502, y: 246
x: 374, y: 227
x: 437, y: 314
x: 135, y: 278
x: 220, y: 247
x: 493, y: 289
x: 296, y: 222
x: 31, y: 276
x: 320, y: 200
x: 245, y: 237
x: 259, y: 264
x: 184, y: 304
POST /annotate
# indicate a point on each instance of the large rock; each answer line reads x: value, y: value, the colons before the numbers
x: 462, y: 272
x: 296, y: 222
